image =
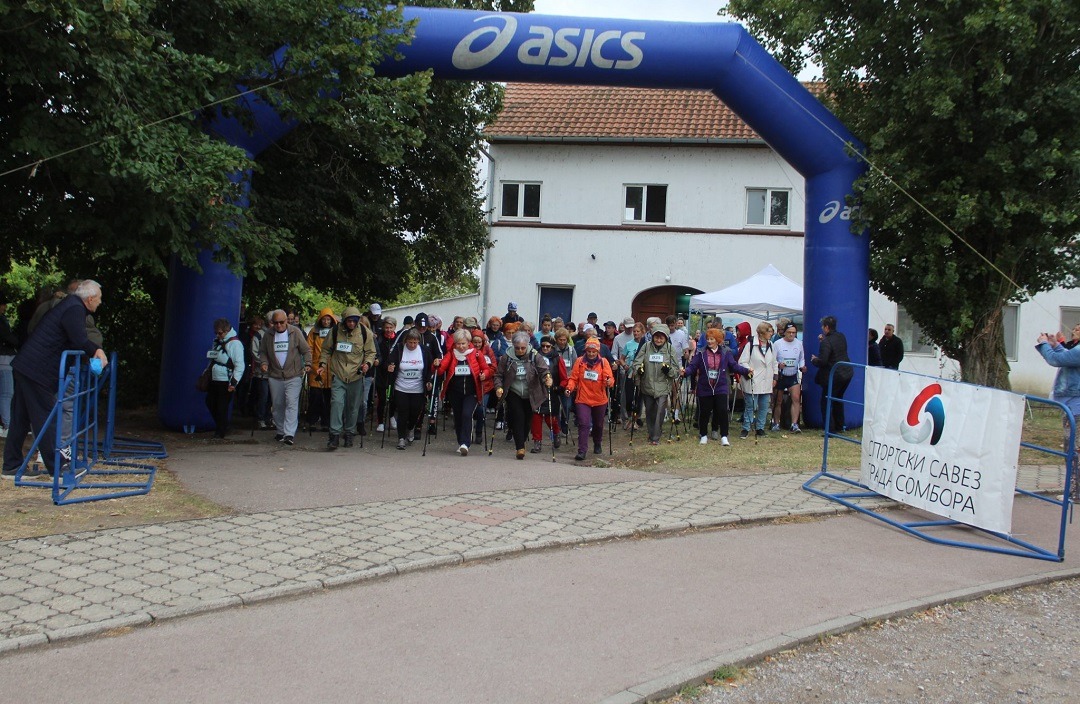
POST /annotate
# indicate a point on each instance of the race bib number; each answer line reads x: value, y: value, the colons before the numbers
x: 282, y: 346
x: 657, y: 358
x: 345, y: 347
x: 410, y: 373
x: 789, y: 361
x: 592, y: 376
x: 487, y: 360
x: 521, y: 372
x: 462, y: 370
x: 713, y: 374
x: 324, y: 332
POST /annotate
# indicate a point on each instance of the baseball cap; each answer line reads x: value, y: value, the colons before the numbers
x: 375, y: 309
x: 628, y: 322
x: 421, y: 320
x: 470, y: 322
x: 511, y: 306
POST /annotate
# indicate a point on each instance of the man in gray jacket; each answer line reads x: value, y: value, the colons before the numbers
x: 285, y: 358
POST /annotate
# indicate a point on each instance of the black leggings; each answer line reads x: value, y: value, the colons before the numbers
x: 715, y: 406
x: 409, y: 409
x: 519, y: 414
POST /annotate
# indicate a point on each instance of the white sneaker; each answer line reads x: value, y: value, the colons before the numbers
x: 3, y: 432
x: 724, y: 442
x: 463, y: 450
x: 393, y: 424
x: 499, y: 425
x: 676, y: 416
x: 704, y: 440
x: 380, y: 428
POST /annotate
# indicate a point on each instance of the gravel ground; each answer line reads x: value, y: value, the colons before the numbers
x: 1022, y: 646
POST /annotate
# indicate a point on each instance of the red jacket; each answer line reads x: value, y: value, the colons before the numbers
x: 476, y: 366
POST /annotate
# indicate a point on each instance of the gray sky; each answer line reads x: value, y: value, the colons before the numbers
x: 674, y: 10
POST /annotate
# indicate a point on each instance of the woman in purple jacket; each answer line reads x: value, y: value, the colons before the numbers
x: 712, y: 364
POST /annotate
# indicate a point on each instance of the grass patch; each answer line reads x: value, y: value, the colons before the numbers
x: 27, y: 512
x: 776, y: 453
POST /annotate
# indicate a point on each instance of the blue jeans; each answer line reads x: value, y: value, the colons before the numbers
x: 756, y: 405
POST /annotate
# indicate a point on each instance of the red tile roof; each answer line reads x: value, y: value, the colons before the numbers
x: 541, y: 110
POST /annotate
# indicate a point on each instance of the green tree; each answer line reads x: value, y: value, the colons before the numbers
x: 106, y: 164
x: 970, y: 106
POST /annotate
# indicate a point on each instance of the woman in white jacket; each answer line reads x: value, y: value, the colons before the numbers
x: 758, y: 354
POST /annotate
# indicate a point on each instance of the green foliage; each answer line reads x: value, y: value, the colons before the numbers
x: 970, y: 106
x: 107, y: 164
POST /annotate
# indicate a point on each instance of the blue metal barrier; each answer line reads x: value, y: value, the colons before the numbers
x: 81, y: 471
x: 916, y: 528
x: 113, y: 447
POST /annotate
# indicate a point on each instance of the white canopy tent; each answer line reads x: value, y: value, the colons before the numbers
x: 766, y: 295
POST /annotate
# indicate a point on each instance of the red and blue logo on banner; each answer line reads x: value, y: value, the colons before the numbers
x: 925, y: 418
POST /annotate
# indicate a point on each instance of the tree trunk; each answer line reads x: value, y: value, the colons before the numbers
x: 983, y: 359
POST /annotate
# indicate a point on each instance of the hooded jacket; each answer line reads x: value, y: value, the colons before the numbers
x: 536, y: 367
x: 716, y: 385
x: 345, y: 351
x: 315, y: 339
x: 655, y: 367
x: 591, y: 381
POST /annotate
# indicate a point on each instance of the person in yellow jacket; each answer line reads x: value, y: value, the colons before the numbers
x: 319, y: 386
x: 592, y: 378
x: 347, y: 353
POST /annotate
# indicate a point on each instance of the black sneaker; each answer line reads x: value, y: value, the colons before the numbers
x: 363, y: 429
x: 759, y: 433
x: 279, y: 437
x: 332, y: 443
x: 432, y: 430
x: 348, y: 440
x: 597, y: 448
x: 744, y: 434
x: 535, y: 448
x: 288, y: 440
x: 579, y: 456
x: 557, y: 441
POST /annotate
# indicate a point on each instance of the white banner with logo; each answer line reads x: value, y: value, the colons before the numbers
x: 942, y: 446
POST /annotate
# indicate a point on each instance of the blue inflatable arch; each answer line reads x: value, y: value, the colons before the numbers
x: 483, y: 46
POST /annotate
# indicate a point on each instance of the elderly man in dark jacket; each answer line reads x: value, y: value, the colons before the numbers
x: 36, y: 370
x: 833, y: 349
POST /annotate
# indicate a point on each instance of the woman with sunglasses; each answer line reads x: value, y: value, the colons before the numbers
x: 558, y: 383
x: 522, y: 382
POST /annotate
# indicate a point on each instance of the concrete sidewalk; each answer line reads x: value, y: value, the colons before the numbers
x: 58, y: 588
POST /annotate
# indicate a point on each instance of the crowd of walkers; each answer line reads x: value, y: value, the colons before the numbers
x: 364, y: 372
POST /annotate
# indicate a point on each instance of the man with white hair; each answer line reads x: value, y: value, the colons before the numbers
x: 285, y: 357
x: 35, y: 368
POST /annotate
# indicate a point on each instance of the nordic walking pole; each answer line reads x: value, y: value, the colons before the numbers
x: 633, y: 415
x: 498, y: 407
x: 551, y: 421
x: 430, y: 418
x: 611, y: 427
x: 386, y: 415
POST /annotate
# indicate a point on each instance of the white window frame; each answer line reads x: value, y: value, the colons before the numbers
x: 519, y: 206
x: 628, y: 217
x: 768, y: 208
x: 1012, y: 340
x: 912, y: 336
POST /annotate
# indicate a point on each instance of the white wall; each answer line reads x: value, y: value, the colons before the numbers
x: 706, y: 185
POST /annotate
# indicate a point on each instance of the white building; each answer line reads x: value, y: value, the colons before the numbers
x: 626, y: 201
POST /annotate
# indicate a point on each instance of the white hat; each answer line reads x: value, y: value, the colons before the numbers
x: 375, y: 309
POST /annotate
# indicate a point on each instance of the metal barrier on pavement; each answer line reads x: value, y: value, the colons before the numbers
x: 919, y: 528
x: 84, y: 470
